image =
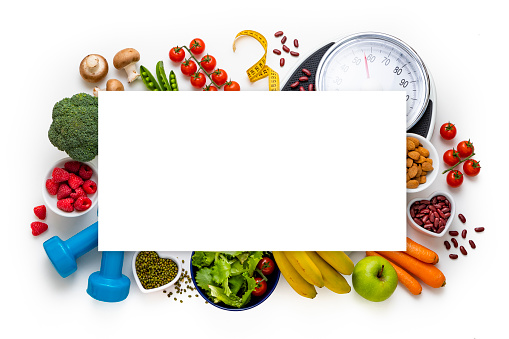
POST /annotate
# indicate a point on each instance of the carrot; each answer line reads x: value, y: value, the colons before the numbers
x: 403, y: 276
x: 420, y: 252
x: 428, y: 273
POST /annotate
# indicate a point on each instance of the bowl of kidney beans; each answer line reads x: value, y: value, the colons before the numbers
x: 433, y: 215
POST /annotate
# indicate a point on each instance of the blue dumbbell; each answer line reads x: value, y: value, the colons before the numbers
x: 109, y: 284
x: 63, y: 254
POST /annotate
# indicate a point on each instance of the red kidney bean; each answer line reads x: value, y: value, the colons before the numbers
x: 277, y: 51
x: 447, y: 215
x: 440, y: 197
x: 447, y: 202
x: 447, y: 245
x: 286, y: 49
x: 306, y: 71
x: 282, y: 62
x: 428, y: 225
x: 311, y: 87
x: 303, y: 79
x: 296, y: 43
x: 453, y: 256
x: 301, y: 88
x: 418, y: 221
x: 440, y: 213
x: 436, y: 222
x: 420, y: 215
x: 479, y: 229
x: 295, y: 84
x: 425, y: 202
x: 441, y: 229
x: 283, y: 40
x: 425, y: 218
x: 464, y: 234
x: 295, y: 54
x: 436, y: 215
x: 472, y: 243
x: 463, y: 250
x: 433, y: 200
x: 278, y: 34
x: 432, y: 208
x: 453, y: 233
x: 425, y: 211
x: 412, y: 213
x: 454, y: 242
x: 462, y: 218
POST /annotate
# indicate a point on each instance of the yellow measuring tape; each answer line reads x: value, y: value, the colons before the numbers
x: 260, y: 70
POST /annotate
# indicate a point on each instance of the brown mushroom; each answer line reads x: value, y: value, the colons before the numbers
x: 93, y: 68
x: 111, y: 85
x: 126, y: 59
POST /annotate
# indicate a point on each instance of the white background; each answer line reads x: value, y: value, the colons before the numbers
x: 465, y: 48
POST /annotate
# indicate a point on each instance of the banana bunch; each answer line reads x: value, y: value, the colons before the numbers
x: 305, y: 269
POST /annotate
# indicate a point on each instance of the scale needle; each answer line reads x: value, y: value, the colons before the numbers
x: 366, y: 63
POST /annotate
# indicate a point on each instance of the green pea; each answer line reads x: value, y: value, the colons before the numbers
x: 149, y: 80
x: 173, y: 81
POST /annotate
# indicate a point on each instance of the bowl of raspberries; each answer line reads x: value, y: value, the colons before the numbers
x: 70, y: 187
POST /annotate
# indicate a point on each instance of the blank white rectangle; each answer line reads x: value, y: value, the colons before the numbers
x: 186, y: 171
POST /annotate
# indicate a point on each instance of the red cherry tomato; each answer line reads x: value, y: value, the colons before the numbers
x: 177, y: 54
x: 266, y: 265
x: 448, y: 131
x: 208, y: 62
x: 261, y: 287
x: 451, y: 157
x: 197, y: 46
x: 231, y: 86
x: 210, y: 88
x: 198, y: 80
x: 188, y: 67
x: 465, y: 148
x: 454, y: 178
x: 471, y: 167
x: 219, y: 76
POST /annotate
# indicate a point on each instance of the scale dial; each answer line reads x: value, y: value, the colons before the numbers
x: 376, y: 62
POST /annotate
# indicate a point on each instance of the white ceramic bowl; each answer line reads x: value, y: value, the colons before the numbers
x: 51, y: 200
x: 433, y: 154
x: 160, y: 288
x: 449, y: 221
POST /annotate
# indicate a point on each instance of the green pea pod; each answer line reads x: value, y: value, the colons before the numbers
x: 173, y: 81
x: 161, y: 76
x: 149, y: 80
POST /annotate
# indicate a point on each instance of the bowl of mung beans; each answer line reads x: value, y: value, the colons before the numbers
x: 154, y: 271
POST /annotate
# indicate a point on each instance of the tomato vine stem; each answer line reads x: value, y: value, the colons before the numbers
x: 461, y: 161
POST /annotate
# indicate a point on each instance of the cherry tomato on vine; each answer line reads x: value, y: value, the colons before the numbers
x: 448, y: 131
x: 198, y: 80
x: 197, y: 46
x: 454, y: 178
x: 451, y: 157
x: 208, y: 62
x: 465, y: 148
x: 471, y: 167
x: 177, y: 54
x: 261, y: 287
x: 210, y: 88
x: 266, y: 265
x: 219, y: 76
x: 231, y: 86
x: 188, y: 67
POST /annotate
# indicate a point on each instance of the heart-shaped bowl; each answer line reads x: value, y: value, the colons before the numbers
x: 420, y: 228
x: 51, y: 200
x: 160, y: 288
x: 433, y: 155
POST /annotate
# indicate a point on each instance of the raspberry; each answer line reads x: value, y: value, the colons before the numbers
x: 74, y: 181
x: 82, y: 204
x: 63, y: 191
x: 40, y: 212
x: 89, y: 186
x: 85, y: 172
x: 72, y: 166
x: 52, y: 186
x: 66, y: 205
x: 38, y: 228
x: 78, y: 192
x: 60, y: 175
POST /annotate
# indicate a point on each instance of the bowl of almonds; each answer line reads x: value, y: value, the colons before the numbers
x: 421, y: 163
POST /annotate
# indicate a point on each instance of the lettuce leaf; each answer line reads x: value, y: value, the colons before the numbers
x: 204, y: 278
x: 220, y: 270
x: 219, y: 295
x: 203, y: 259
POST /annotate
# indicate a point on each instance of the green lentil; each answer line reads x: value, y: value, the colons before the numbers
x: 154, y: 271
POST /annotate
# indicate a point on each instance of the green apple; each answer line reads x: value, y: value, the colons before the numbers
x: 374, y: 278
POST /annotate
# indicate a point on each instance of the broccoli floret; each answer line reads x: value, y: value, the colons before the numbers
x: 74, y: 127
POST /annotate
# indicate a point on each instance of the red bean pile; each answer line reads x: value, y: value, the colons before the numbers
x: 432, y: 215
x: 464, y: 236
x: 285, y: 48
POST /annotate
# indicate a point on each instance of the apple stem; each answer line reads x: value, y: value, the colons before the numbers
x: 379, y: 275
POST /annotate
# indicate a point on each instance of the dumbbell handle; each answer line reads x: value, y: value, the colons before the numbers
x: 84, y: 241
x: 111, y: 264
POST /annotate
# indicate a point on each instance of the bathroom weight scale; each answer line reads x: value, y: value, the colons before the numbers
x: 375, y: 62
